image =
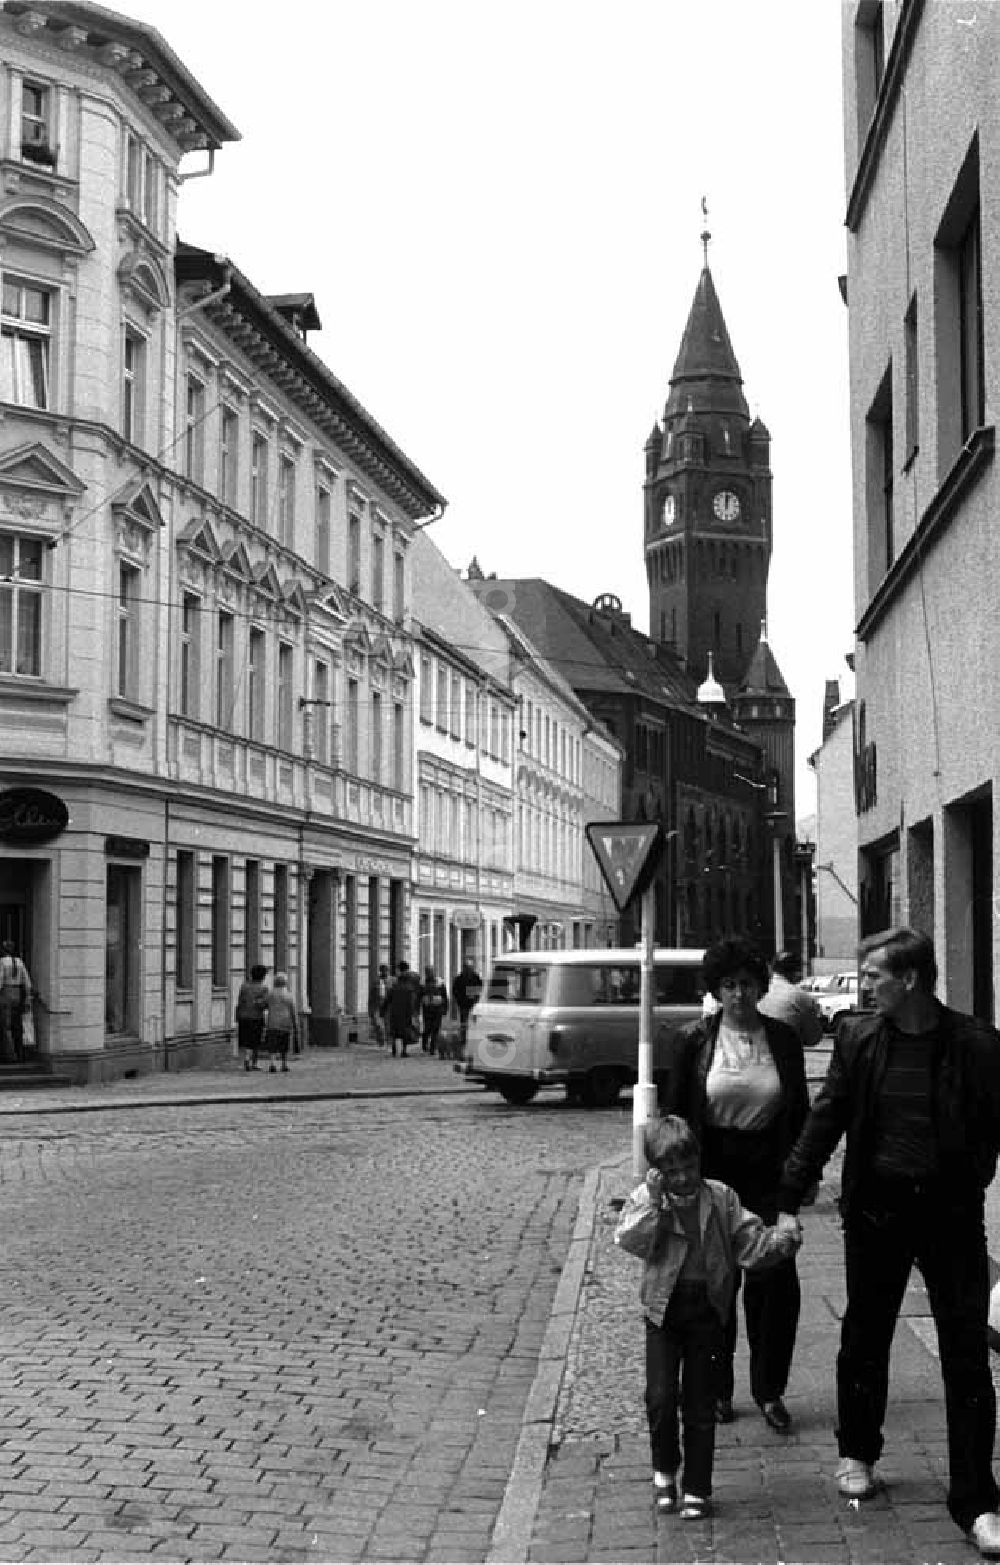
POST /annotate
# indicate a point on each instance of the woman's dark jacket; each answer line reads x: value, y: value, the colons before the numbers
x: 965, y: 1107
x: 688, y: 1061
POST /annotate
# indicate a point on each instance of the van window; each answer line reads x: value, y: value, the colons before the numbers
x: 510, y: 985
x: 621, y: 985
x: 679, y: 986
x: 579, y: 986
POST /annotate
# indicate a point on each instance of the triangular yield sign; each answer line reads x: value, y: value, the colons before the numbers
x: 625, y: 851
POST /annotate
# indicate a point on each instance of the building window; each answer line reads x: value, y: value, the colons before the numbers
x: 194, y: 430
x: 133, y: 175
x: 280, y: 918
x: 122, y: 949
x: 426, y: 691
x: 441, y: 714
x: 284, y: 696
x: 970, y: 297
x: 456, y: 706
x: 256, y: 683
x: 36, y: 142
x: 251, y: 915
x: 911, y: 350
x: 378, y: 571
x: 190, y: 660
x: 376, y: 738
x: 224, y: 671
x: 133, y: 385
x: 470, y: 714
x: 495, y: 731
x: 321, y: 713
x: 25, y: 337
x: 352, y: 727
x: 129, y: 582
x: 220, y: 922
x: 354, y: 553
x: 229, y: 456
x: 869, y: 59
x: 879, y: 485
x: 150, y: 192
x: 20, y: 605
x: 398, y: 747
x: 258, y: 480
x: 286, y: 501
x: 185, y: 912
x: 323, y: 530
x: 398, y: 587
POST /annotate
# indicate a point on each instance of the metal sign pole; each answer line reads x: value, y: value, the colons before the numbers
x: 644, y: 1091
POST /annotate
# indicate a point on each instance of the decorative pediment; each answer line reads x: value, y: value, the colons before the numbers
x: 402, y: 664
x: 295, y: 598
x: 34, y: 467
x: 382, y: 651
x: 266, y: 580
x: 199, y: 538
x: 237, y: 563
x: 357, y: 638
x: 139, y: 503
x: 333, y: 601
x: 142, y: 276
x: 36, y: 221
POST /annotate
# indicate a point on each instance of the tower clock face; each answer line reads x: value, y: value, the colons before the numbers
x: 726, y: 506
x: 669, y: 510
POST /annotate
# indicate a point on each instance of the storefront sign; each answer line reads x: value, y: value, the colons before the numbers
x: 465, y: 919
x: 126, y: 847
x: 29, y: 815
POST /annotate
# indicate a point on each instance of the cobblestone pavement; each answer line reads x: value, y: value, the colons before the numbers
x: 277, y: 1330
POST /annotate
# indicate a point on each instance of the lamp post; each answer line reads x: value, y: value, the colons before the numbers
x: 772, y: 816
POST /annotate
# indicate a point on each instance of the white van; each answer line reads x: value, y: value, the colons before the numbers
x: 572, y: 1018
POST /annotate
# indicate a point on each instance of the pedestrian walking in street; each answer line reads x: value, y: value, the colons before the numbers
x: 378, y: 1004
x: 693, y: 1235
x: 787, y: 1003
x: 915, y: 1089
x: 15, y: 998
x: 738, y: 1078
x: 282, y: 1030
x: 251, y: 1008
x: 404, y: 1008
x: 466, y: 991
x: 433, y: 1004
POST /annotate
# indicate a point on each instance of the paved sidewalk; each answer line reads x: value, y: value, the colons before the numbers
x: 354, y: 1070
x: 581, y: 1487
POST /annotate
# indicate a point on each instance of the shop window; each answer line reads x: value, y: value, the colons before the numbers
x: 122, y: 947
x: 220, y: 922
x: 185, y: 920
x: 20, y: 605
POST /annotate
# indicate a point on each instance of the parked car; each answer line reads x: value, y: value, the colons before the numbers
x: 837, y: 994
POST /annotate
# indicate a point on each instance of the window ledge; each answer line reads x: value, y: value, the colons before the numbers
x: 885, y: 105
x: 961, y: 478
x: 131, y: 711
x: 14, y: 688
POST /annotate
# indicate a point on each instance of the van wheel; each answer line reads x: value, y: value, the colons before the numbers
x: 517, y: 1091
x: 602, y: 1088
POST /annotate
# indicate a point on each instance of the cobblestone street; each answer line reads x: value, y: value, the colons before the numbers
x: 277, y: 1331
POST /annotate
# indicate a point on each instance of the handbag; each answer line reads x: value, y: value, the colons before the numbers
x: 28, y: 1026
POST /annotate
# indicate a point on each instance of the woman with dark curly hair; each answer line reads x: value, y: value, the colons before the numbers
x: 738, y: 1078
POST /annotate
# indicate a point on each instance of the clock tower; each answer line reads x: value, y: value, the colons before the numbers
x: 707, y: 500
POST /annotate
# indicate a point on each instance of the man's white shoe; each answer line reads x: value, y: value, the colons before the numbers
x: 985, y: 1534
x: 856, y: 1480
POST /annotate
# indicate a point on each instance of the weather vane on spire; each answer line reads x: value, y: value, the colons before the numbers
x: 705, y: 235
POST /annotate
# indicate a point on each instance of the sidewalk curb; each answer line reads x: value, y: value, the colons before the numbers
x: 515, y: 1521
x: 314, y: 1096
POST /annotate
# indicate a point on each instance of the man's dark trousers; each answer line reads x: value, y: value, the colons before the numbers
x: 891, y: 1226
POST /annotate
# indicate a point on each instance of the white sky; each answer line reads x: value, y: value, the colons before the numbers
x: 497, y: 207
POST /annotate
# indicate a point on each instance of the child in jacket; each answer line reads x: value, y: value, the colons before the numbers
x: 693, y: 1235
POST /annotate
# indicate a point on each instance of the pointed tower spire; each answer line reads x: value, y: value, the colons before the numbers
x: 705, y: 235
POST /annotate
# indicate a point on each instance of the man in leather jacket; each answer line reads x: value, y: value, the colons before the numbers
x: 915, y: 1088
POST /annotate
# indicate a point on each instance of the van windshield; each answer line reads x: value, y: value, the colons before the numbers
x: 510, y: 985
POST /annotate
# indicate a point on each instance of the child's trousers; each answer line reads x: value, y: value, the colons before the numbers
x: 683, y: 1361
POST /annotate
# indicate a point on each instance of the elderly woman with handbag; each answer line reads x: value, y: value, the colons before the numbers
x: 738, y: 1078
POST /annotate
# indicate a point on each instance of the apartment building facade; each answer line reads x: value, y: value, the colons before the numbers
x: 922, y: 150
x: 206, y: 664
